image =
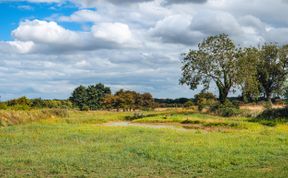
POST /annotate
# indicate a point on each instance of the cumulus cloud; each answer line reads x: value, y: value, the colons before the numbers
x: 126, y: 44
x: 44, y: 32
x: 48, y: 37
x: 83, y: 15
x: 116, y: 32
x: 184, y: 1
x: 176, y: 29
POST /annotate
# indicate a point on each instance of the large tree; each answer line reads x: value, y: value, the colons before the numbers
x: 215, y: 60
x: 91, y: 97
x: 272, y: 69
x: 96, y: 94
x: 79, y: 97
x: 247, y: 73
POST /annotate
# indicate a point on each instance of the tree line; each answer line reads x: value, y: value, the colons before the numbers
x: 255, y: 71
x: 95, y: 97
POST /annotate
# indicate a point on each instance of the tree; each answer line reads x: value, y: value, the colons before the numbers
x: 145, y: 101
x: 96, y: 94
x: 215, y: 60
x: 272, y: 69
x: 126, y: 99
x: 247, y: 73
x: 79, y: 97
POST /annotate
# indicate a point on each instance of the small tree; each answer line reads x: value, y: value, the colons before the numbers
x: 215, y: 60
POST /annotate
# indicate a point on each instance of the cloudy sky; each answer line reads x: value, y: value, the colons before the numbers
x: 48, y: 47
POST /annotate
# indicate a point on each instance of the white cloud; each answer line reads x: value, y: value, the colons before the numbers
x: 116, y: 32
x: 83, y: 15
x: 39, y: 36
x: 131, y: 44
x: 44, y: 32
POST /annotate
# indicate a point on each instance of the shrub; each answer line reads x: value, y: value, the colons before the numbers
x: 3, y: 106
x: 272, y: 114
x: 205, y: 100
x: 267, y: 105
x: 226, y: 109
x: 85, y: 108
x: 20, y: 107
x: 135, y: 116
x: 188, y: 104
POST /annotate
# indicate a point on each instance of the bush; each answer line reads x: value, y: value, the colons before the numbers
x: 20, y: 107
x: 3, y: 106
x: 272, y: 114
x: 188, y: 104
x: 226, y: 109
x: 85, y: 108
x: 205, y: 100
x: 267, y: 105
x: 135, y: 116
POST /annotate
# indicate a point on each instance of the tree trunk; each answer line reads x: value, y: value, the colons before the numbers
x: 223, y: 92
x: 268, y: 96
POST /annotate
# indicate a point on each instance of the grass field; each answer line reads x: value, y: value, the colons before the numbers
x: 205, y: 146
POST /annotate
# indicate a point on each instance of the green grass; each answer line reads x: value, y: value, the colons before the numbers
x: 80, y: 146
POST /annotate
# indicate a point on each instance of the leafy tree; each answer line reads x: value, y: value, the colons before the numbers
x: 145, y: 101
x: 272, y: 69
x: 215, y: 60
x: 79, y: 97
x: 91, y: 97
x: 247, y: 73
x: 126, y: 99
x: 95, y: 94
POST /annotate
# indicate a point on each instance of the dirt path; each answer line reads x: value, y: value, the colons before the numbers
x: 147, y: 125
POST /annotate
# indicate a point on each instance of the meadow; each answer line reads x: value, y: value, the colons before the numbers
x: 189, y: 144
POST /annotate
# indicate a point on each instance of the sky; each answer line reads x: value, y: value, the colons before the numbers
x: 49, y: 47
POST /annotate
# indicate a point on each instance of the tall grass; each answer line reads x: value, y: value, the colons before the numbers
x: 11, y: 117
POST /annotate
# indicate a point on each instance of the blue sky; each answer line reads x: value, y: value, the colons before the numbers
x: 49, y: 47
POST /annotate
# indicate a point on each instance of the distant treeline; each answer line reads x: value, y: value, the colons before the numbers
x: 100, y: 97
x: 24, y: 103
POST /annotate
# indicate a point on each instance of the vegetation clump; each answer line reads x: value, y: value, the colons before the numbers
x: 226, y: 109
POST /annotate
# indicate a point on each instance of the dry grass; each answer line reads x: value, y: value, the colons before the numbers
x: 9, y: 117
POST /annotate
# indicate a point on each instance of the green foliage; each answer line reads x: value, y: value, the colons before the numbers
x: 272, y: 69
x: 3, y: 106
x: 95, y: 96
x: 205, y: 99
x: 129, y: 100
x: 226, y: 109
x: 268, y: 105
x: 91, y: 97
x: 247, y: 73
x: 274, y: 114
x: 79, y: 97
x: 188, y: 104
x: 23, y: 101
x: 215, y: 60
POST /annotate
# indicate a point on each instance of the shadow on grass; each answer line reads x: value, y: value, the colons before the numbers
x: 139, y: 115
x: 271, y: 117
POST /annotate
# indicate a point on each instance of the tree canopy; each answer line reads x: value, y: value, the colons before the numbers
x: 214, y: 61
